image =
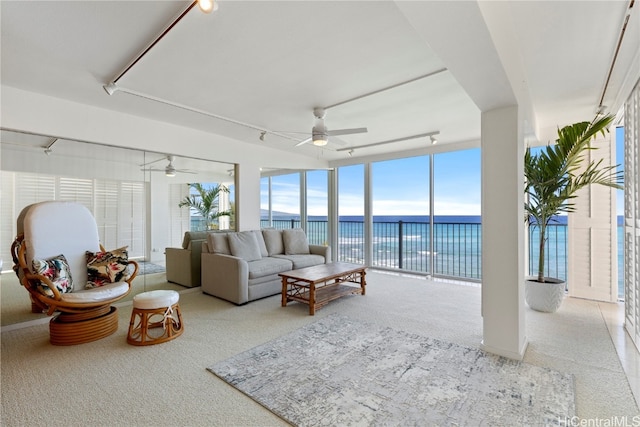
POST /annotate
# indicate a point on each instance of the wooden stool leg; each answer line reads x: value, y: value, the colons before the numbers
x: 143, y: 322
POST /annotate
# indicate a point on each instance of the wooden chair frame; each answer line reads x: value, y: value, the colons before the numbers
x: 76, y: 322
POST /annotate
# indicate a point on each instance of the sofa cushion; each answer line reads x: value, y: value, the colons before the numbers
x: 303, y: 261
x: 244, y: 245
x: 261, y: 243
x: 55, y: 269
x: 268, y: 266
x: 295, y: 241
x: 192, y: 235
x: 218, y: 243
x: 273, y: 241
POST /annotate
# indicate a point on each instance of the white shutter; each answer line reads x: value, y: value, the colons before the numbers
x: 632, y: 215
x: 7, y: 218
x: 106, y: 212
x: 76, y: 190
x: 131, y: 217
x: 592, y: 235
x: 18, y: 191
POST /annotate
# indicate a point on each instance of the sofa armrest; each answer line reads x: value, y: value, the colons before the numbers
x: 325, y: 251
x: 226, y: 277
x: 196, y: 261
x: 178, y: 265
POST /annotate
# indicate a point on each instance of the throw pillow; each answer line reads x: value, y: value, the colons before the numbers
x: 273, y: 241
x: 244, y: 245
x: 295, y: 241
x: 107, y: 267
x: 218, y: 243
x: 55, y: 269
x: 261, y: 244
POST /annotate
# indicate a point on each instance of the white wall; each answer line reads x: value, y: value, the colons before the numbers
x: 36, y: 113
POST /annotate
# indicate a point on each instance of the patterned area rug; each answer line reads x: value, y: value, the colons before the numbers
x: 341, y: 371
x: 149, y: 268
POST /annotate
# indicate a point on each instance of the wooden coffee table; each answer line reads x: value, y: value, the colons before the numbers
x: 320, y: 284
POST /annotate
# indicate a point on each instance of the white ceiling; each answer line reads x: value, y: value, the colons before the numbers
x: 257, y: 66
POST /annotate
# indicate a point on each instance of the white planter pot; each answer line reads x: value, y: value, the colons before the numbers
x: 545, y: 297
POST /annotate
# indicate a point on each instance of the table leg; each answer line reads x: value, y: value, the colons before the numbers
x: 312, y: 299
x: 284, y: 291
x: 363, y: 282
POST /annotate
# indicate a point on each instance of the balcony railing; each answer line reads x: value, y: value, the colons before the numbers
x: 401, y: 245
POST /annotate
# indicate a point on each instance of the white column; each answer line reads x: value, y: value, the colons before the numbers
x: 503, y: 233
x: 247, y: 197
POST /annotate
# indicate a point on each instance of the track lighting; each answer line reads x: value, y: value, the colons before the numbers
x: 433, y: 140
x: 110, y: 88
x: 208, y: 6
x: 262, y: 134
x: 48, y: 149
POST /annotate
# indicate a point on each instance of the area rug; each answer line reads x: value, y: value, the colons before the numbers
x: 342, y: 371
x: 149, y: 268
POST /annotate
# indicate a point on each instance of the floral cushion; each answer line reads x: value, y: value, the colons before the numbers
x: 107, y: 267
x: 55, y: 269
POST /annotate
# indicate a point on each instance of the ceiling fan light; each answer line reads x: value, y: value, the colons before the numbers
x: 320, y: 141
x: 170, y: 171
x: 207, y: 6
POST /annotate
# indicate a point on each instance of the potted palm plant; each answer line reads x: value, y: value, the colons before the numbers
x: 553, y: 177
x: 206, y: 202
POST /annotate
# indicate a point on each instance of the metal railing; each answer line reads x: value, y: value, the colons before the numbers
x: 406, y: 246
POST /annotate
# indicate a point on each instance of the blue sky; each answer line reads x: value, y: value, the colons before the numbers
x: 400, y: 187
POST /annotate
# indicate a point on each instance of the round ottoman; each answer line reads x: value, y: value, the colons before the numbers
x: 155, y: 318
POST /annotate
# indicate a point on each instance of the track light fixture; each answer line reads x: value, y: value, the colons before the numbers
x: 350, y: 153
x: 110, y: 88
x: 208, y: 6
x: 48, y: 149
x: 262, y: 135
x: 433, y: 140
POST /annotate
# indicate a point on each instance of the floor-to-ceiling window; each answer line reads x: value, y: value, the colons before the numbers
x: 351, y: 231
x: 457, y: 222
x: 400, y: 210
x: 317, y: 203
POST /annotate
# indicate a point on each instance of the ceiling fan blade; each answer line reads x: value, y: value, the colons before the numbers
x: 304, y: 141
x: 154, y: 161
x: 337, y: 141
x: 346, y: 131
x: 186, y: 171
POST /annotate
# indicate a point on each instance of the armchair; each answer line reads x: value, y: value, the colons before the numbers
x: 55, y: 242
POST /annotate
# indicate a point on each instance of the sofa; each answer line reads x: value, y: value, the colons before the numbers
x: 243, y: 266
x: 183, y: 264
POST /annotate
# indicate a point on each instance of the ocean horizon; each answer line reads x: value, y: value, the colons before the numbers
x: 456, y: 247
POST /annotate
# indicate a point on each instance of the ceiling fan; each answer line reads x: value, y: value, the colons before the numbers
x: 320, y: 134
x: 169, y: 170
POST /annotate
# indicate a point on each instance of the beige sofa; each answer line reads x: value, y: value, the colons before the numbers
x: 183, y: 264
x: 244, y: 266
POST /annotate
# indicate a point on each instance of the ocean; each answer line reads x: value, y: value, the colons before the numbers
x: 404, y: 242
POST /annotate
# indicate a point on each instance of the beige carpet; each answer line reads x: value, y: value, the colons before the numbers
x: 110, y: 383
x: 16, y: 307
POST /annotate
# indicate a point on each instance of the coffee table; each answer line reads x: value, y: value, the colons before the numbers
x: 318, y: 285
